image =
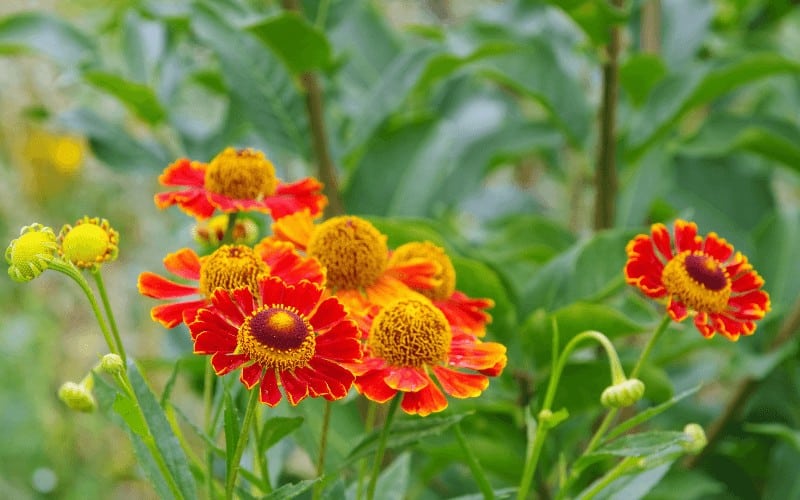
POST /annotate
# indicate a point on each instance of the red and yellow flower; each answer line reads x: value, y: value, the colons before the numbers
x: 356, y: 259
x: 282, y: 335
x: 229, y: 267
x: 459, y: 309
x: 237, y: 181
x: 698, y: 276
x: 410, y: 340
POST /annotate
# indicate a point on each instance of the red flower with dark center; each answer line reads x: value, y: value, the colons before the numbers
x: 698, y: 276
x: 410, y: 339
x: 284, y: 335
x: 229, y: 267
x: 236, y: 181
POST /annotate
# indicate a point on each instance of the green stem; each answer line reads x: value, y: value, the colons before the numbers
x: 73, y: 273
x: 622, y: 468
x: 323, y: 446
x: 376, y: 466
x: 474, y: 466
x: 227, y: 238
x: 369, y: 424
x: 262, y: 464
x: 208, y: 382
x: 101, y: 288
x: 230, y: 481
x: 662, y: 327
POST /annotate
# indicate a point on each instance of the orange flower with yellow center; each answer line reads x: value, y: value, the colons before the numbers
x: 355, y: 257
x: 699, y: 276
x: 229, y: 267
x: 409, y: 340
x: 236, y: 181
x: 284, y: 335
x: 89, y: 243
x: 440, y: 287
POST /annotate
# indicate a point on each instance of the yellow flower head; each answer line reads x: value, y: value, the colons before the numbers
x: 241, y: 174
x: 89, y: 243
x: 30, y: 254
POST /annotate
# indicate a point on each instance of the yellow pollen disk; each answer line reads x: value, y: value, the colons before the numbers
x: 243, y: 174
x: 29, y: 255
x: 277, y: 337
x: 410, y: 333
x: 446, y: 277
x: 89, y: 243
x: 231, y: 267
x: 698, y: 280
x: 352, y: 250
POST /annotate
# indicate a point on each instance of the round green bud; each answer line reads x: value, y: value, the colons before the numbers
x: 623, y: 394
x: 77, y: 397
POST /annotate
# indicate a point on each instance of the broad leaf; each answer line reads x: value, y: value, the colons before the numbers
x: 46, y: 34
x: 275, y: 429
x: 138, y: 97
x: 232, y: 426
x: 301, y: 46
x: 645, y: 415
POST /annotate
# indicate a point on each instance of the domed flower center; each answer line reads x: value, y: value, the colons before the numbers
x: 445, y: 278
x: 277, y: 337
x: 698, y: 280
x: 410, y: 333
x: 90, y: 242
x: 231, y: 267
x: 29, y: 255
x: 352, y: 250
x: 243, y: 174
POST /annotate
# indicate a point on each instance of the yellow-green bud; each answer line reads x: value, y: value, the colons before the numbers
x: 112, y: 364
x: 696, y: 438
x: 29, y: 255
x: 623, y: 394
x: 89, y: 243
x: 77, y: 397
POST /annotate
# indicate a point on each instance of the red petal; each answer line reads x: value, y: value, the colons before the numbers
x: 662, y: 240
x: 329, y: 313
x: 464, y: 312
x: 294, y: 197
x: 228, y: 308
x: 339, y: 379
x: 226, y: 363
x: 677, y: 310
x: 407, y: 379
x: 251, y: 374
x: 417, y: 273
x: 284, y: 262
x: 193, y: 201
x: 317, y: 384
x: 373, y: 387
x: 471, y: 353
x: 184, y: 263
x: 423, y: 403
x: 295, y: 228
x: 751, y: 305
x: 269, y: 393
x: 460, y: 385
x: 748, y: 281
x: 340, y: 343
x: 731, y: 328
x: 244, y: 299
x: 701, y: 322
x: 227, y: 204
x: 686, y: 236
x: 737, y: 266
x: 296, y: 390
x: 717, y: 247
x: 184, y: 172
x: 171, y: 315
x: 304, y: 296
x: 158, y: 287
x: 272, y: 290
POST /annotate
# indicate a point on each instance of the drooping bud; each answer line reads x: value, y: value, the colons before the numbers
x: 78, y: 397
x: 696, y: 438
x: 112, y: 364
x: 622, y: 394
x: 29, y: 255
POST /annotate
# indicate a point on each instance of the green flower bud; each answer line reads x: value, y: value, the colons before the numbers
x: 112, y: 364
x: 77, y: 397
x: 623, y: 394
x: 29, y: 255
x: 696, y: 439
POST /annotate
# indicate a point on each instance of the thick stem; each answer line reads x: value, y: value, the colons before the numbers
x: 98, y: 279
x: 230, y: 481
x: 474, y: 466
x: 376, y: 466
x: 606, y: 173
x: 650, y: 27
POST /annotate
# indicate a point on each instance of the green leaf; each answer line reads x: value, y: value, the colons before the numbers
x: 275, y: 429
x: 786, y: 434
x: 595, y: 17
x: 232, y: 427
x: 292, y: 490
x: 393, y: 481
x: 400, y: 230
x: 127, y: 409
x: 300, y: 45
x: 635, y: 485
x: 143, y: 45
x: 46, y: 34
x: 165, y: 440
x: 639, y: 74
x: 137, y: 97
x: 678, y: 93
x: 759, y: 365
x: 149, y: 465
x: 641, y: 445
x: 649, y: 413
x: 404, y: 433
x: 777, y: 247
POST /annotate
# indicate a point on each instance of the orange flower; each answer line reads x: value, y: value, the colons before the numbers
x: 410, y: 339
x: 236, y: 181
x: 355, y: 257
x: 229, y: 267
x: 699, y: 276
x: 459, y: 309
x: 285, y: 335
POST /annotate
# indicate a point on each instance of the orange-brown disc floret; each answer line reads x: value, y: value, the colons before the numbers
x: 277, y: 337
x: 410, y: 333
x: 445, y: 277
x: 231, y: 267
x: 698, y: 280
x: 241, y: 174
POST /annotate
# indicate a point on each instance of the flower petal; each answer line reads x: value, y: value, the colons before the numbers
x: 295, y: 228
x: 717, y: 247
x: 184, y: 172
x: 373, y: 387
x: 171, y: 315
x: 158, y: 287
x: 225, y: 363
x: 467, y: 313
x: 296, y: 390
x: 193, y: 201
x: 251, y: 375
x: 184, y: 263
x: 289, y: 198
x: 468, y: 352
x: 329, y: 313
x: 285, y: 263
x: 214, y: 341
x: 423, y: 403
x: 745, y: 282
x: 460, y: 385
x: 407, y: 379
x: 270, y: 395
x: 703, y: 326
x: 662, y: 240
x: 686, y: 236
x: 677, y: 310
x: 340, y: 343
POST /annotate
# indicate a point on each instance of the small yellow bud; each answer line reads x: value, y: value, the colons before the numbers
x: 112, y: 364
x: 696, y: 438
x: 211, y: 232
x: 623, y: 394
x: 77, y: 397
x: 29, y: 255
x: 89, y: 243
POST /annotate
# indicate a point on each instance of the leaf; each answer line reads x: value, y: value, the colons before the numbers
x: 404, y: 433
x: 680, y: 92
x: 635, y: 486
x: 232, y: 427
x: 275, y: 429
x: 777, y: 244
x: 292, y: 490
x: 685, y: 26
x: 126, y: 408
x: 641, y: 445
x: 393, y: 481
x: 258, y: 83
x: 780, y: 431
x: 649, y: 413
x: 166, y: 442
x: 143, y: 45
x: 300, y: 45
x: 595, y: 17
x: 137, y: 97
x: 639, y: 74
x: 149, y: 465
x: 46, y: 34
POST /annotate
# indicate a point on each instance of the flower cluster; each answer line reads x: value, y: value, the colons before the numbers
x: 315, y: 308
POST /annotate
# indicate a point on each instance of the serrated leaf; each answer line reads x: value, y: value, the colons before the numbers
x: 46, y: 34
x: 300, y: 45
x: 275, y: 429
x: 140, y: 98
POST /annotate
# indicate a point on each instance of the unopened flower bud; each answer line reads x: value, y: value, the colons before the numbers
x: 696, y: 438
x: 77, y: 397
x: 29, y: 255
x: 89, y: 243
x: 112, y: 364
x: 623, y: 394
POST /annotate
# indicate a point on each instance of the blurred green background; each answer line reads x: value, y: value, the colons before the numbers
x: 474, y: 124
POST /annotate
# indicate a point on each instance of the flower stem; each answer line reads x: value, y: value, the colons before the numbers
x: 261, y: 460
x: 323, y: 446
x: 650, y: 344
x: 208, y: 381
x: 612, y: 475
x: 474, y: 466
x: 230, y: 481
x: 369, y: 424
x: 101, y: 288
x: 376, y: 466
